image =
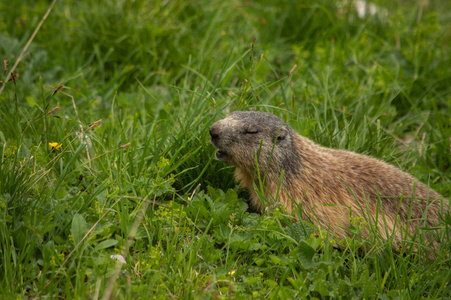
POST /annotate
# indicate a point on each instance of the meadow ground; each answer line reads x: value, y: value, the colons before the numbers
x: 105, y: 148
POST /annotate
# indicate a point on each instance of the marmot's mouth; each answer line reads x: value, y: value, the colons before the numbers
x: 222, y: 155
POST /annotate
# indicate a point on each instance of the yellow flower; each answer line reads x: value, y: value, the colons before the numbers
x: 55, y: 146
x: 231, y: 272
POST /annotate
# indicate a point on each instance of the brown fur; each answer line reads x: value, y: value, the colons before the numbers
x: 315, y: 176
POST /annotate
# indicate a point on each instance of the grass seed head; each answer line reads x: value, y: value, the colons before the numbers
x: 94, y: 124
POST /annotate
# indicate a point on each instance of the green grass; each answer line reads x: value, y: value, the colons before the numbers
x: 158, y: 74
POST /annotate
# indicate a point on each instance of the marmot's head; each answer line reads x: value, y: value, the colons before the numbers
x: 245, y: 134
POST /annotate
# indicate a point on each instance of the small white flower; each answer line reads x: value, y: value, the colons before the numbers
x: 119, y: 258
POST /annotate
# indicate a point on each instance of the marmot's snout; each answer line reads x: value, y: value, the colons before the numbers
x: 215, y: 134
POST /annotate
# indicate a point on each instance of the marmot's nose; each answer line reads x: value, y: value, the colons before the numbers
x: 214, y: 133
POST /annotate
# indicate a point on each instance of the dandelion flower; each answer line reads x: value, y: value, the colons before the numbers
x: 55, y: 146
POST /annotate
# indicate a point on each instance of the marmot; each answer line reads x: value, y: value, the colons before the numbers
x: 328, y: 185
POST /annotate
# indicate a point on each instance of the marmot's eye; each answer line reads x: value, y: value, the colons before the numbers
x: 251, y: 131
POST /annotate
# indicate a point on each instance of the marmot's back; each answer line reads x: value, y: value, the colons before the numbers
x: 315, y: 177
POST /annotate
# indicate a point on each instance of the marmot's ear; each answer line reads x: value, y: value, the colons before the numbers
x: 282, y: 134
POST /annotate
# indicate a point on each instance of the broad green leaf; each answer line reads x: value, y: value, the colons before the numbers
x: 79, y: 228
x: 305, y: 255
x: 276, y: 260
x: 105, y: 244
x: 213, y: 193
x: 231, y: 196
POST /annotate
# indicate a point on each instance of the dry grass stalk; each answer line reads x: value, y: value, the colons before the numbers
x: 125, y: 146
x: 83, y: 239
x: 22, y: 54
x: 82, y: 136
x: 53, y: 110
x: 292, y: 69
x: 130, y: 239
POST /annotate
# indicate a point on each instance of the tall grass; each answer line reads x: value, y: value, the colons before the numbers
x: 158, y: 74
